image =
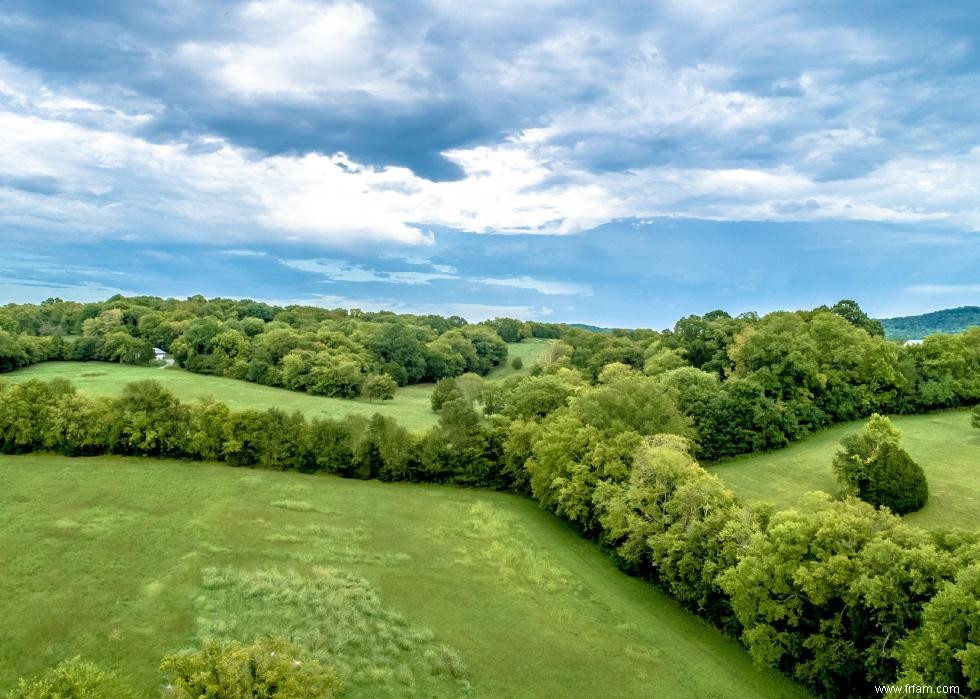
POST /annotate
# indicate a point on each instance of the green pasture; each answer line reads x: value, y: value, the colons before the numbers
x: 529, y: 351
x: 944, y: 444
x: 408, y: 590
x: 411, y: 406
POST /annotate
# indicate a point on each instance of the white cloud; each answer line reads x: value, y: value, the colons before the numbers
x: 551, y: 288
x: 302, y: 48
x: 341, y: 271
x: 473, y: 312
x: 244, y: 252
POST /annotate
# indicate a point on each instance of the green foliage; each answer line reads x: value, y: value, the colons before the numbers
x: 445, y: 390
x: 873, y: 467
x: 73, y: 679
x: 945, y: 649
x: 673, y: 523
x: 268, y: 668
x: 827, y: 591
x: 379, y: 387
x: 535, y: 396
x: 639, y: 404
x: 851, y: 312
x: 569, y: 460
x: 323, y: 352
x: 517, y: 363
x: 975, y: 417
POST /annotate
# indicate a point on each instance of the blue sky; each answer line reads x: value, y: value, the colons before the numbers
x: 611, y: 163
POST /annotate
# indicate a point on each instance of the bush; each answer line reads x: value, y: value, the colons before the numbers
x: 73, y: 679
x: 975, y: 420
x: 270, y: 667
x: 873, y: 467
x: 380, y: 386
x: 517, y: 363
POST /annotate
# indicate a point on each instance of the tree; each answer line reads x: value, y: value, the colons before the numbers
x: 873, y: 467
x: 536, y: 397
x: 379, y: 387
x: 268, y: 668
x: 445, y: 390
x: 636, y: 403
x: 851, y: 312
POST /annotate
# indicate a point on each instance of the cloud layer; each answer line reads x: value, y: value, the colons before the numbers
x: 571, y: 160
x: 349, y: 123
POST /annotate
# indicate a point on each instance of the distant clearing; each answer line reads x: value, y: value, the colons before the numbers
x: 410, y: 407
x: 944, y: 444
x: 412, y: 590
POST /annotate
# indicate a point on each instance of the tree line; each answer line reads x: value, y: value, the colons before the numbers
x: 336, y: 352
x: 839, y: 595
x: 746, y: 383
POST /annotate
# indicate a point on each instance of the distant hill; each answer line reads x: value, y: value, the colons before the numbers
x: 950, y: 320
x: 590, y: 328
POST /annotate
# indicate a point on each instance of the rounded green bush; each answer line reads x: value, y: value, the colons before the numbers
x: 873, y: 467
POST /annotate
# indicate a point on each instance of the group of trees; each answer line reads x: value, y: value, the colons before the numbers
x: 751, y: 384
x: 747, y: 383
x: 325, y: 352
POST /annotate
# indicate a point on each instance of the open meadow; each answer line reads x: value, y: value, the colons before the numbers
x: 408, y: 590
x: 944, y: 444
x: 410, y: 406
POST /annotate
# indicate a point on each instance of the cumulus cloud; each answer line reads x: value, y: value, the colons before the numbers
x: 301, y: 48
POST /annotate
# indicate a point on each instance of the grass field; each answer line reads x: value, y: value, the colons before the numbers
x: 413, y: 590
x: 411, y: 406
x: 944, y: 444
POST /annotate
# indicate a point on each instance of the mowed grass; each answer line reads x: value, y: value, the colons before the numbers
x: 411, y: 406
x: 944, y: 444
x: 409, y: 590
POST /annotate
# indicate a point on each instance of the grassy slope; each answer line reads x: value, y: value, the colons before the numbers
x: 104, y: 557
x: 944, y: 444
x: 410, y: 406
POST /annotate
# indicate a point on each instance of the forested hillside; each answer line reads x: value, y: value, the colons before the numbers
x: 950, y: 320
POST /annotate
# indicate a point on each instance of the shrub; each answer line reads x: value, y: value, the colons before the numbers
x: 975, y: 420
x: 517, y: 363
x: 269, y: 667
x: 380, y: 386
x: 873, y: 467
x: 73, y: 679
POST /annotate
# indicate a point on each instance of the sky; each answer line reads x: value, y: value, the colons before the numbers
x: 619, y: 164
